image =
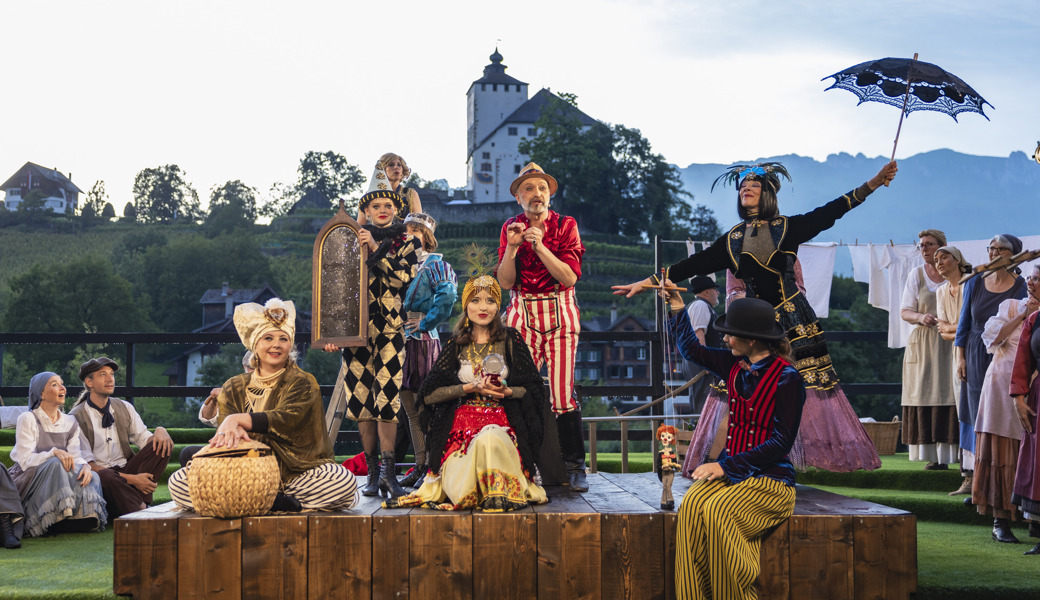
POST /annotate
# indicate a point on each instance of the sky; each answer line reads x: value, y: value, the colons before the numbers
x: 230, y: 90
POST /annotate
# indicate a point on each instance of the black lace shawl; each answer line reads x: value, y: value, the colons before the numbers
x: 525, y: 414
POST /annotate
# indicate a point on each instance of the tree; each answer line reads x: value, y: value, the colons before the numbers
x: 129, y: 212
x: 81, y: 295
x: 97, y: 198
x: 237, y: 195
x: 232, y: 206
x: 327, y: 172
x: 109, y: 212
x: 580, y: 159
x: 175, y: 275
x: 34, y: 206
x: 162, y: 195
x: 609, y: 176
x: 87, y: 212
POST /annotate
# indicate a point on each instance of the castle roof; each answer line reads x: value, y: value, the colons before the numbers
x: 528, y: 112
x: 496, y: 72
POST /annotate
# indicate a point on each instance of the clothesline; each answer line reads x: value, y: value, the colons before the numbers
x: 883, y: 267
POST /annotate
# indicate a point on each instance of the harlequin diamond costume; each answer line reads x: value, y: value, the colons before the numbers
x: 762, y: 251
x: 546, y: 314
x: 374, y: 372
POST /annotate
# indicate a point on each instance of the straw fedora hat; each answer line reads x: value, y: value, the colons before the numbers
x: 532, y: 170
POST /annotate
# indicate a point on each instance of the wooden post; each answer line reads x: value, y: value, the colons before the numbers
x: 624, y: 446
x: 592, y: 445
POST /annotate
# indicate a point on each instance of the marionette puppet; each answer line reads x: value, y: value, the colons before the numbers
x: 667, y: 464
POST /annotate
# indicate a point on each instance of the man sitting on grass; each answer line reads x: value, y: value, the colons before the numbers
x: 108, y: 426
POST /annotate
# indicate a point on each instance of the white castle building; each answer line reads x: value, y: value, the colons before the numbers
x: 498, y: 116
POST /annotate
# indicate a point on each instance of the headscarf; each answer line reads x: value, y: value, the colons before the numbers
x: 36, y: 385
x: 1006, y: 240
x: 963, y: 265
x: 253, y: 321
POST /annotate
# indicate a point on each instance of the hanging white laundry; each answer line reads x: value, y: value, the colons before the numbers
x: 897, y: 262
x: 877, y: 289
x: 691, y: 249
x: 818, y: 273
x: 860, y: 262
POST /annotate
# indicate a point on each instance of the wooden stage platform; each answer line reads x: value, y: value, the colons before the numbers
x: 612, y: 542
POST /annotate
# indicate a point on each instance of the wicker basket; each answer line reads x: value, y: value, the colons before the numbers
x: 237, y: 482
x: 884, y: 435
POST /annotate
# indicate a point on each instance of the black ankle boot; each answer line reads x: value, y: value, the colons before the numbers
x: 286, y: 503
x: 414, y: 479
x: 387, y: 479
x: 1002, y: 532
x: 7, y: 537
x: 572, y: 447
x: 1034, y: 529
x: 1034, y: 551
x: 372, y: 488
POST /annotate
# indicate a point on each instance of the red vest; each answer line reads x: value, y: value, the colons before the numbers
x: 751, y: 419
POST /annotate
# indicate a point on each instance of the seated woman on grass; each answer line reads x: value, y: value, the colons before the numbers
x: 482, y: 411
x: 58, y: 490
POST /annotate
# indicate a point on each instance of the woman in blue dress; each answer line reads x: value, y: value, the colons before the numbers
x: 428, y: 303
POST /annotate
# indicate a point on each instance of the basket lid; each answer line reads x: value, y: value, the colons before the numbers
x: 243, y: 448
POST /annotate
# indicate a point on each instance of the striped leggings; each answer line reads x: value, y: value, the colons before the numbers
x: 325, y: 487
x: 550, y: 324
x: 719, y: 535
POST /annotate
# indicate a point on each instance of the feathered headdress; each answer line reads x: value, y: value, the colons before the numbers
x: 767, y: 171
x: 479, y: 263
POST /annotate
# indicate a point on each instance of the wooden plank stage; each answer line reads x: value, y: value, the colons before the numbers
x: 612, y: 542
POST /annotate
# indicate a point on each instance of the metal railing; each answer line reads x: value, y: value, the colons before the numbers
x: 656, y: 388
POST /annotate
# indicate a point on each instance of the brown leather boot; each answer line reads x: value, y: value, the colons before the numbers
x: 965, y: 487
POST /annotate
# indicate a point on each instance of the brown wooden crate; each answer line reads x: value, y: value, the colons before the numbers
x: 339, y: 557
x: 631, y: 555
x: 144, y: 560
x: 274, y: 557
x: 884, y: 567
x: 390, y: 554
x: 821, y: 557
x: 210, y: 563
x: 569, y: 555
x: 774, y: 576
x: 440, y: 556
x: 505, y: 555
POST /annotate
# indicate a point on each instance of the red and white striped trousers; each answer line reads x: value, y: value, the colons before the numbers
x: 550, y: 324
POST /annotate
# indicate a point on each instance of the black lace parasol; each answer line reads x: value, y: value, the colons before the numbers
x: 911, y: 84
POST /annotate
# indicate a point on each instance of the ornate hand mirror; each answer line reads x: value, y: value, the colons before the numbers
x: 340, y: 278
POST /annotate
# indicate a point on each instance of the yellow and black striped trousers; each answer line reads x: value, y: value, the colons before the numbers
x: 719, y: 535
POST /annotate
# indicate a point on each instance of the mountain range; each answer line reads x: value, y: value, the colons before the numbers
x: 967, y: 197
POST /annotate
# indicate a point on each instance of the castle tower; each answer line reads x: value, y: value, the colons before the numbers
x: 489, y: 101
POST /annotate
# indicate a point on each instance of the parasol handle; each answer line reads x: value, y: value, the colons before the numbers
x: 902, y: 113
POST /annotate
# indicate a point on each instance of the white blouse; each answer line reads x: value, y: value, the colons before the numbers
x: 24, y: 452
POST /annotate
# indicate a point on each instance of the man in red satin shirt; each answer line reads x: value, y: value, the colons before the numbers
x: 539, y: 261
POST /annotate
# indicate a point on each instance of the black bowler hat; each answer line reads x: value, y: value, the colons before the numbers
x: 702, y: 282
x: 750, y: 318
x: 96, y: 364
